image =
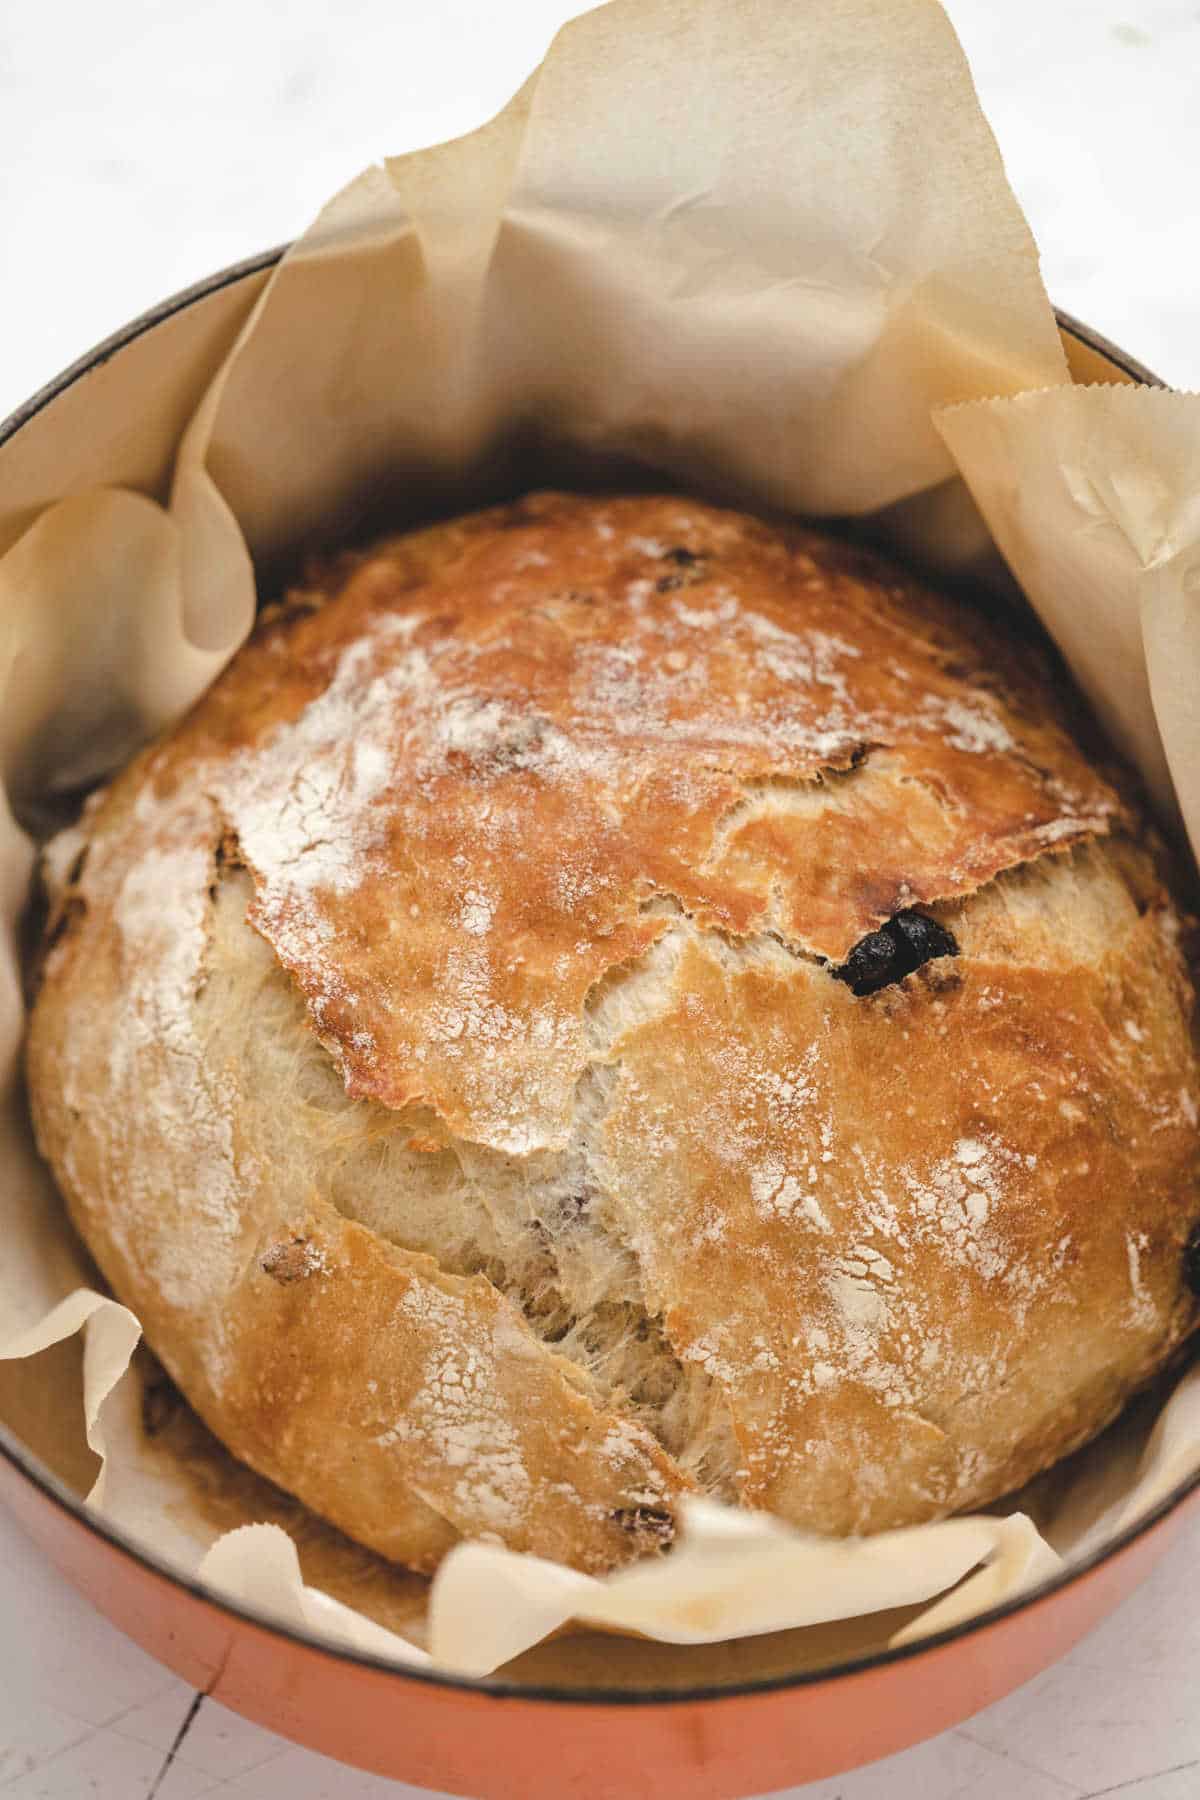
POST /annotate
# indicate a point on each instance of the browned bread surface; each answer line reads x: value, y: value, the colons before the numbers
x: 454, y: 1044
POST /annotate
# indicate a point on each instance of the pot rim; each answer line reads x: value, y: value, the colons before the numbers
x: 14, y: 1452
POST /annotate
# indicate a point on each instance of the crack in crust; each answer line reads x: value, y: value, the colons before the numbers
x: 500, y: 738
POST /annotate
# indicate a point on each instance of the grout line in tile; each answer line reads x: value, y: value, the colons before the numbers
x: 189, y: 1719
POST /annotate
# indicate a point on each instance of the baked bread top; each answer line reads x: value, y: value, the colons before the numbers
x: 607, y: 996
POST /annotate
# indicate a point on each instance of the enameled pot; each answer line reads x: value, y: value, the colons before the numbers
x: 494, y: 1739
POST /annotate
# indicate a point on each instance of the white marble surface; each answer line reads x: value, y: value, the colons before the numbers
x: 143, y: 145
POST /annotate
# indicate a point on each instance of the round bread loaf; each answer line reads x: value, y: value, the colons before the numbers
x: 609, y: 998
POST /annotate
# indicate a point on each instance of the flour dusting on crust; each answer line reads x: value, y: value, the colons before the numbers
x: 529, y: 858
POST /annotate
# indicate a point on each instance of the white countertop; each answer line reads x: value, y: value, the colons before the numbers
x: 144, y: 145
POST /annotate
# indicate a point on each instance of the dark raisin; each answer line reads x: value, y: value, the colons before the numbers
x: 1191, y: 1260
x: 902, y: 945
x: 870, y: 963
x: 689, y: 568
x: 923, y: 938
x: 653, y: 1524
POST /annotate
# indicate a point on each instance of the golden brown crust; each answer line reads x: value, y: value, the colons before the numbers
x: 617, y: 713
x: 963, y: 1245
x: 556, y: 818
x: 411, y: 1406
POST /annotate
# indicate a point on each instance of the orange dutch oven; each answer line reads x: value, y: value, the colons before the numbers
x: 495, y: 1738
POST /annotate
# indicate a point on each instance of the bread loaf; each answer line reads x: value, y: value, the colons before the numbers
x: 607, y: 998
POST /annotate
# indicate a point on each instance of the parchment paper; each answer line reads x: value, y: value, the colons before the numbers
x: 758, y: 248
